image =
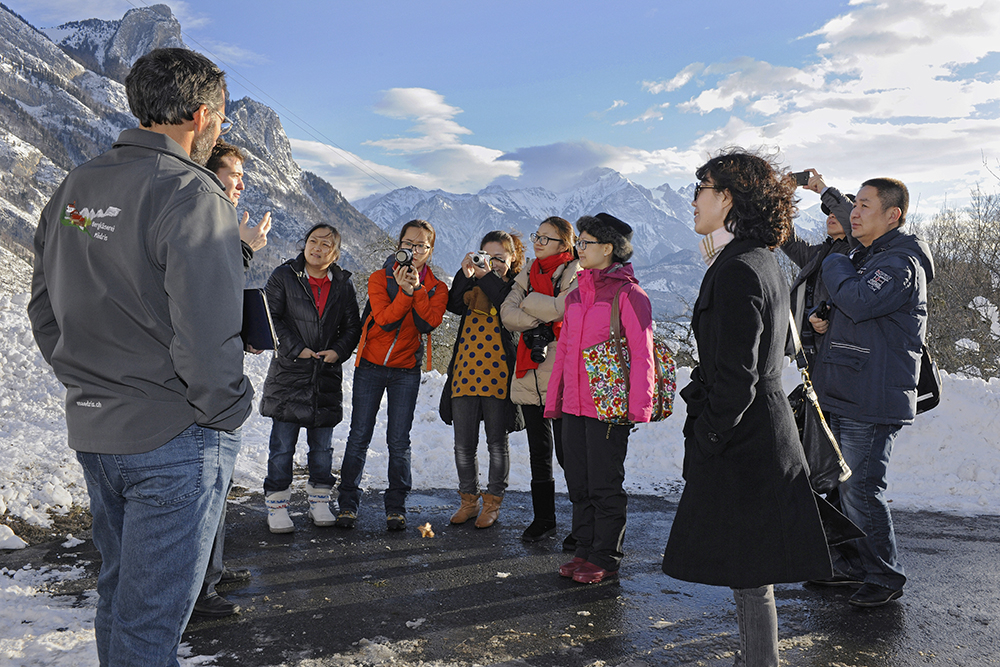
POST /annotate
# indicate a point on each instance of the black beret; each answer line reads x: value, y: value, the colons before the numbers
x: 617, y: 225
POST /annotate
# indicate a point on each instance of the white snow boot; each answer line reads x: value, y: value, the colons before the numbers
x: 319, y: 506
x: 278, y: 520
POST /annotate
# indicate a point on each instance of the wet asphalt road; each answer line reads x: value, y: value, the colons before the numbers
x: 324, y: 596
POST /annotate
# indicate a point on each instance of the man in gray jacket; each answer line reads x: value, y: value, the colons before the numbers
x: 136, y: 304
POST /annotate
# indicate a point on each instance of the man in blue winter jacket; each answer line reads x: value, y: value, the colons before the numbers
x: 866, y: 378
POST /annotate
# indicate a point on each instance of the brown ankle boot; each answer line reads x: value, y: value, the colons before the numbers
x: 491, y: 508
x: 468, y: 509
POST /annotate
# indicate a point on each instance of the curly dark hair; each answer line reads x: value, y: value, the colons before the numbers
x: 764, y: 202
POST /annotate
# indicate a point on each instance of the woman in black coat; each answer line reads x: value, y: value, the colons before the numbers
x: 482, y: 364
x: 315, y: 313
x: 747, y: 518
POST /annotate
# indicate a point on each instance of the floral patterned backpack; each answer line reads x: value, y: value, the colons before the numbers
x: 607, y: 366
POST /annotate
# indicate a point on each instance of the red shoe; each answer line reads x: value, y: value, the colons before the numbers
x: 567, y: 569
x: 588, y: 573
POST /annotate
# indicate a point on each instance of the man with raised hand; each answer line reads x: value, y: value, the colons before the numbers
x: 866, y: 376
x: 227, y: 162
x: 136, y: 304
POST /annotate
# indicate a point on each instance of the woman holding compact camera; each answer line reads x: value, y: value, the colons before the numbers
x: 405, y: 303
x: 594, y: 451
x: 478, y: 386
x: 535, y: 307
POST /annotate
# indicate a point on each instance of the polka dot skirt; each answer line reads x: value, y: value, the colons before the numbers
x: 480, y: 365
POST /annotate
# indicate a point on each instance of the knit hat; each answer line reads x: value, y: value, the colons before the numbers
x: 826, y: 209
x: 607, y: 228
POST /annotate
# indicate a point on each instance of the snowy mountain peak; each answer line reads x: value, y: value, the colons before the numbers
x: 111, y: 47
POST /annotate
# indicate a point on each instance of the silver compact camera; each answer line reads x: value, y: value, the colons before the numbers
x: 481, y: 259
x: 404, y: 257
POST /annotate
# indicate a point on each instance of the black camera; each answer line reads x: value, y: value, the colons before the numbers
x: 404, y: 257
x: 822, y: 311
x: 801, y: 177
x: 537, y: 341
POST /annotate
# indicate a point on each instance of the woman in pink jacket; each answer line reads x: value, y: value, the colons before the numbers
x: 594, y: 451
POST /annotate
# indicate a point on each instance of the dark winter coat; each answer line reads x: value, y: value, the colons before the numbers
x: 808, y: 289
x: 747, y: 516
x: 496, y: 290
x: 870, y: 360
x: 309, y: 391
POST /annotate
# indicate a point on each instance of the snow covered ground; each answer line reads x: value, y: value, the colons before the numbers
x: 949, y: 460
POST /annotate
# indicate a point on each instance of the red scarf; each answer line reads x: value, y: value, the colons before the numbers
x: 540, y: 280
x: 321, y: 290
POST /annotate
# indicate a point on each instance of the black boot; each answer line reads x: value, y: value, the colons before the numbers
x: 543, y: 499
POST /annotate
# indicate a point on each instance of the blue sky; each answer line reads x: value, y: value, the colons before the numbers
x: 459, y: 95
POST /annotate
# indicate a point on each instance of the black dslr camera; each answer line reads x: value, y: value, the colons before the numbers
x: 537, y: 341
x: 404, y: 257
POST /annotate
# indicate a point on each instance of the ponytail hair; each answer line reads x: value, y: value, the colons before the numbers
x: 512, y: 243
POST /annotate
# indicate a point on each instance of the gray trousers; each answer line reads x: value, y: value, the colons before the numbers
x: 758, y: 621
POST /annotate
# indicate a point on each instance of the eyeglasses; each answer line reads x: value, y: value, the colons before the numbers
x: 418, y: 248
x: 581, y: 244
x: 225, y: 125
x: 541, y: 240
x: 702, y: 186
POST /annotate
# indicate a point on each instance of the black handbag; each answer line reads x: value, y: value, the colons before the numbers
x: 928, y: 383
x: 827, y: 468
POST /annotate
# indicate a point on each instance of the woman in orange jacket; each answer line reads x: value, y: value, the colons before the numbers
x: 406, y: 302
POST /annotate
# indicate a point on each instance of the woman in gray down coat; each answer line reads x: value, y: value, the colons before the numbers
x: 747, y: 518
x: 535, y: 307
x: 315, y: 313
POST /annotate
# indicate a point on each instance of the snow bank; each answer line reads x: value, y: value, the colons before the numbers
x: 948, y: 460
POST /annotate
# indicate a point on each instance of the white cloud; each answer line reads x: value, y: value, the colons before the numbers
x: 226, y: 55
x: 352, y: 174
x: 884, y: 94
x: 652, y: 113
x: 433, y: 148
x: 559, y: 166
x: 679, y: 80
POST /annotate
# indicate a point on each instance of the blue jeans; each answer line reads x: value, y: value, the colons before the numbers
x: 371, y: 382
x: 866, y: 448
x: 284, y: 435
x: 155, y: 516
x: 467, y: 412
x: 216, y: 566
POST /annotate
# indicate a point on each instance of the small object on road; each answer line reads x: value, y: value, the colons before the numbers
x: 503, y: 575
x: 425, y: 530
x: 415, y: 624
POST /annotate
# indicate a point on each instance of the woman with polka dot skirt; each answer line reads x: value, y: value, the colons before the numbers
x: 478, y: 386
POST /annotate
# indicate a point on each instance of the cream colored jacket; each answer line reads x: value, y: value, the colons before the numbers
x: 523, y: 310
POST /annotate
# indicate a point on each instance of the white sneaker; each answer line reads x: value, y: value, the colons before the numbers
x: 278, y: 520
x: 319, y: 506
